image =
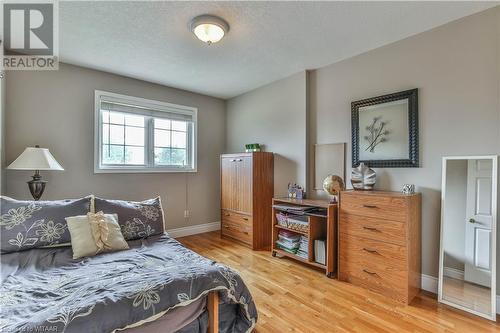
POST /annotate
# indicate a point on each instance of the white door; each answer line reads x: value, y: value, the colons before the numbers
x: 478, y: 222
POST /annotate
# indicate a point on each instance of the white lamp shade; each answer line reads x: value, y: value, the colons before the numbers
x: 34, y: 158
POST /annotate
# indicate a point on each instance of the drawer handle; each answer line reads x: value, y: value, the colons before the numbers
x: 369, y: 272
x: 245, y: 218
x: 369, y: 206
x: 239, y: 160
x: 370, y: 250
x: 227, y: 214
x: 226, y: 226
x: 370, y: 228
x: 245, y: 232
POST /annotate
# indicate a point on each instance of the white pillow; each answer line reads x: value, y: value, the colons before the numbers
x: 95, y: 233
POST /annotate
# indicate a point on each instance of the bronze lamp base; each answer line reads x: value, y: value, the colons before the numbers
x: 36, y: 186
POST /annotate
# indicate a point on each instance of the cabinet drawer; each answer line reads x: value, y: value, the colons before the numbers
x: 230, y: 216
x: 384, y: 272
x: 368, y: 227
x: 237, y: 230
x: 375, y: 280
x: 368, y: 251
x: 383, y: 207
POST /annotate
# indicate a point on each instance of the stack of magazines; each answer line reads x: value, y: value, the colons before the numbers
x: 303, y: 251
x: 293, y: 209
x: 288, y: 241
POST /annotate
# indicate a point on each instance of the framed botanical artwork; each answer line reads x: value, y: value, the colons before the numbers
x: 385, y: 130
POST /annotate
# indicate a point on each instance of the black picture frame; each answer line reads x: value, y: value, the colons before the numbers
x: 413, y: 149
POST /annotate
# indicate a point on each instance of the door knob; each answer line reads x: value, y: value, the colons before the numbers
x: 471, y: 220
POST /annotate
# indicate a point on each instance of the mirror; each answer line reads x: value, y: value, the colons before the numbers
x: 467, y: 270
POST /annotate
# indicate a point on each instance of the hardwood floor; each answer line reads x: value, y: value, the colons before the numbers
x: 291, y: 297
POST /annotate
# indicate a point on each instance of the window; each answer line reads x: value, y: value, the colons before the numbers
x: 138, y: 135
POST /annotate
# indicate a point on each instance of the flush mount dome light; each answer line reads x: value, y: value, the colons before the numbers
x: 208, y: 28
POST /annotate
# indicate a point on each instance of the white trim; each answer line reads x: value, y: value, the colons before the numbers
x: 193, y: 230
x: 429, y: 283
x: 494, y: 212
x: 158, y: 107
x: 453, y: 273
x: 147, y: 103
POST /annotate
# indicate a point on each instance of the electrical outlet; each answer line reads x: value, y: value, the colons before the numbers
x: 186, y: 214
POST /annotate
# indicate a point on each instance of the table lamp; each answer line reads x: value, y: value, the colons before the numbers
x: 36, y: 158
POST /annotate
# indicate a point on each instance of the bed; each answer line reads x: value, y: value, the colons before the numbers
x: 157, y: 285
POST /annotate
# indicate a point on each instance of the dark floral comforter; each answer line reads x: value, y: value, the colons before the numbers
x: 45, y: 290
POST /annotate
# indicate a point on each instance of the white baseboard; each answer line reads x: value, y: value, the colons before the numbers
x: 193, y: 230
x: 453, y: 273
x: 429, y: 283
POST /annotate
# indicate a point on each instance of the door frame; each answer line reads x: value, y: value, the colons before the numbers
x: 494, y: 179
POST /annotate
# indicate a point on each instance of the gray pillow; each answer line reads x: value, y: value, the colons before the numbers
x: 136, y: 219
x: 30, y: 224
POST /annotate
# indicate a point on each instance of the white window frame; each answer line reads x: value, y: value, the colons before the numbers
x: 147, y: 104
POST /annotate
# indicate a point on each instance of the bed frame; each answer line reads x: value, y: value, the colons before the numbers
x: 213, y: 312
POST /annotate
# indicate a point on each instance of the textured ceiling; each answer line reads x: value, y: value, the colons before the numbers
x: 267, y: 40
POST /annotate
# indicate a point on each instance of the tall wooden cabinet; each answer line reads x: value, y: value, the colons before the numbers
x: 247, y: 186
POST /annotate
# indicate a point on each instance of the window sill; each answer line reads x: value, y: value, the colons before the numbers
x: 144, y: 170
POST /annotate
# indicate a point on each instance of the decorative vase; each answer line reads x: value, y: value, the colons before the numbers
x: 363, y: 178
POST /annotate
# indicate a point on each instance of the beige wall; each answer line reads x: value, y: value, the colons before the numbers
x: 457, y: 70
x: 55, y: 109
x: 273, y: 115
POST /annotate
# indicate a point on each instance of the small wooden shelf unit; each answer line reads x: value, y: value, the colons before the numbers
x: 320, y: 227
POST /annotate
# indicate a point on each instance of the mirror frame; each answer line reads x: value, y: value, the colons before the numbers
x: 494, y: 158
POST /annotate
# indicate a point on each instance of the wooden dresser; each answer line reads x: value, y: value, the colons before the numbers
x: 379, y: 242
x: 247, y: 187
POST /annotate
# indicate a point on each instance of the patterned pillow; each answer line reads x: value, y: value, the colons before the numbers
x: 30, y: 224
x: 136, y: 219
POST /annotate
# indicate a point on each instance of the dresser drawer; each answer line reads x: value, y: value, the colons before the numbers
x: 237, y: 230
x: 230, y: 216
x: 368, y: 227
x: 375, y: 279
x: 381, y: 271
x: 378, y: 206
x: 367, y: 251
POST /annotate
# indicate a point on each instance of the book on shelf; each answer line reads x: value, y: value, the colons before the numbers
x: 303, y: 254
x: 288, y: 241
x: 292, y: 251
x: 319, y: 251
x: 288, y: 244
x: 303, y: 250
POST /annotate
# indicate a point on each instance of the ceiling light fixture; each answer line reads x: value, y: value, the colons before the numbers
x: 208, y: 28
